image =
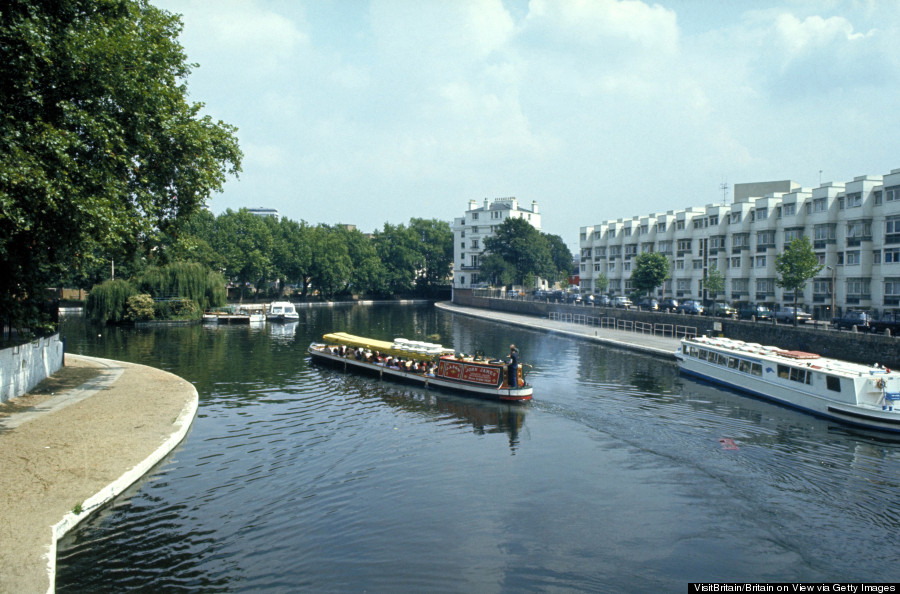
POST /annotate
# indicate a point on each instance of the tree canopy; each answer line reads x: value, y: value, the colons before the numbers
x: 651, y: 269
x: 100, y: 148
x: 796, y: 265
x: 518, y: 249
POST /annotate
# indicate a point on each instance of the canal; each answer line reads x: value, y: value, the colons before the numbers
x: 620, y: 476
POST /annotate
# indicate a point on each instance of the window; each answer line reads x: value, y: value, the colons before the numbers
x: 756, y: 368
x: 679, y: 225
x: 852, y: 258
x: 876, y: 257
x: 892, y: 286
x: 740, y: 240
x: 762, y: 214
x: 474, y: 244
x: 859, y: 229
x: 665, y: 247
x: 684, y: 245
x: 833, y: 383
x: 612, y: 232
x: 858, y: 287
x: 698, y: 264
x: 474, y: 216
x: 760, y: 261
x: 765, y: 285
x: 596, y: 267
x: 792, y: 234
x: 892, y: 229
x: 630, y: 250
x: 735, y: 217
x: 644, y: 229
x: 854, y: 200
x: 790, y: 209
x: 739, y: 285
x: 661, y: 227
x: 877, y: 197
x: 892, y: 255
x: 627, y: 231
x: 734, y: 262
x: 765, y: 238
x: 684, y: 285
x: 679, y: 264
x: 627, y: 266
x: 820, y: 205
x: 611, y: 267
x: 713, y: 220
x: 892, y: 193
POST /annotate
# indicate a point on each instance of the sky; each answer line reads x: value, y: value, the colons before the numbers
x: 369, y: 112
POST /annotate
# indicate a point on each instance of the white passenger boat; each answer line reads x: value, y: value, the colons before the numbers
x: 282, y: 311
x: 427, y: 364
x: 851, y: 393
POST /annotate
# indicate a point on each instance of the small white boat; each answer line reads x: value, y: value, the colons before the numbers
x: 282, y: 311
x: 851, y: 393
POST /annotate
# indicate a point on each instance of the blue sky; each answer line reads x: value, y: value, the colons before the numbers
x: 376, y: 111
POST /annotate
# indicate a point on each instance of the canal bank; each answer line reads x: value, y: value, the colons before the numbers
x: 661, y: 346
x: 74, y: 443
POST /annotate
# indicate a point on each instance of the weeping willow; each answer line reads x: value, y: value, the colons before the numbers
x: 184, y: 280
x: 181, y: 289
x: 107, y: 302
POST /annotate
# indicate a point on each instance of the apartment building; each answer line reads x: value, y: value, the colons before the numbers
x: 479, y: 222
x: 854, y: 227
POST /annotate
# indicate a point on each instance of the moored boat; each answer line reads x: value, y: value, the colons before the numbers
x: 235, y: 315
x: 282, y: 311
x: 424, y: 363
x: 851, y: 393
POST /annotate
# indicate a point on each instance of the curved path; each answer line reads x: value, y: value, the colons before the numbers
x: 75, y: 442
x: 661, y: 346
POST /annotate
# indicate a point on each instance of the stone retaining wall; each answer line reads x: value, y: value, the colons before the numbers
x: 22, y: 367
x: 849, y: 346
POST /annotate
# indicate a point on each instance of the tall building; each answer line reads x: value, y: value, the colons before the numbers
x: 479, y: 222
x: 854, y: 228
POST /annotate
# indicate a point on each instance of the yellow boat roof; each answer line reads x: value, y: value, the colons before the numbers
x: 382, y: 346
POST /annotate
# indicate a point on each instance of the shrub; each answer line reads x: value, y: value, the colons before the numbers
x: 140, y: 308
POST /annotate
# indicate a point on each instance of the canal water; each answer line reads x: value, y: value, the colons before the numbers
x: 620, y: 476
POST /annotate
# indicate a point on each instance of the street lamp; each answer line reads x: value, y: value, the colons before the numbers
x: 833, y: 314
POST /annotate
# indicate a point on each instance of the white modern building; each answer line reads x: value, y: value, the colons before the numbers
x: 265, y: 212
x: 854, y: 228
x: 479, y: 222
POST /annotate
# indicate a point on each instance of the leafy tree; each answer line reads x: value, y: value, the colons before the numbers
x: 367, y: 274
x: 100, y: 149
x: 560, y: 256
x: 245, y: 242
x: 524, y: 249
x: 601, y: 282
x: 651, y: 269
x: 497, y: 270
x: 796, y: 265
x: 292, y: 251
x: 331, y: 264
x: 714, y: 282
x: 400, y: 253
x: 436, y: 248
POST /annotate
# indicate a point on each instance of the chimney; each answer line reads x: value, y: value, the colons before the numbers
x: 472, y: 205
x: 534, y: 208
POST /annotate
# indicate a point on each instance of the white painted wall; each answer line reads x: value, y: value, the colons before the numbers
x: 23, y: 367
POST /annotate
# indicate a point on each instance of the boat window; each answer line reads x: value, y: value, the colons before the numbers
x: 744, y: 366
x: 800, y: 375
x: 784, y: 371
x: 833, y: 383
x: 756, y: 369
x: 723, y: 359
x: 703, y: 354
x: 732, y: 362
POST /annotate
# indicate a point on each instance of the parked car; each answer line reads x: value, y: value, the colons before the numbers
x: 668, y: 304
x: 748, y: 311
x: 889, y: 320
x: 722, y: 310
x: 787, y: 313
x: 689, y: 307
x: 853, y: 319
x: 622, y: 302
x: 601, y: 300
x: 648, y: 304
x: 573, y: 297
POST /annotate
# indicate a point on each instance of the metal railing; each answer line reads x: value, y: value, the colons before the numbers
x: 610, y: 323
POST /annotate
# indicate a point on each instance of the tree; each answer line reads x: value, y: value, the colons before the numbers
x: 796, y: 265
x: 560, y: 256
x: 523, y: 248
x: 714, y: 282
x: 100, y: 149
x: 651, y: 269
x: 400, y: 253
x: 245, y: 242
x: 437, y: 251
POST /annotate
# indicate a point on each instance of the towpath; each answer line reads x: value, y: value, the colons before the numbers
x: 662, y: 346
x: 77, y: 440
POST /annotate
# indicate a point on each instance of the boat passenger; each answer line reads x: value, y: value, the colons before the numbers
x: 513, y: 361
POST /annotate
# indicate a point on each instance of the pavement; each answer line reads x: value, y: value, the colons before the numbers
x: 72, y: 444
x: 661, y: 346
